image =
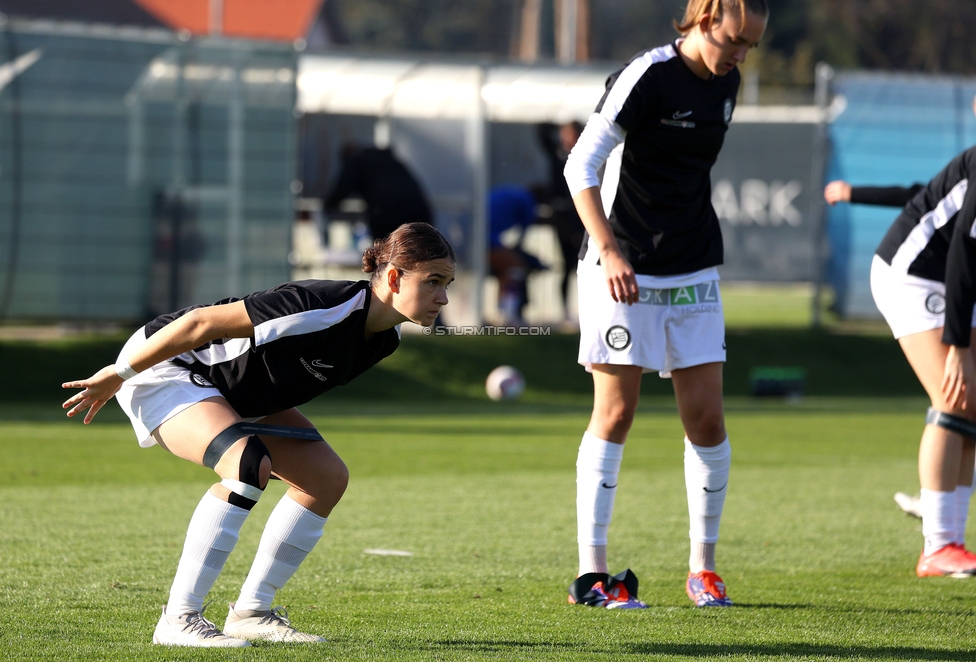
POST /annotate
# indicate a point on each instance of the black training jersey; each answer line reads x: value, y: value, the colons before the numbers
x: 934, y: 238
x: 662, y: 211
x: 309, y: 337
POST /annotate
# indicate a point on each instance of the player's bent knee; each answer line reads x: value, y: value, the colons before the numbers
x: 254, y: 469
x: 336, y: 475
x: 951, y: 422
x: 332, y: 482
x: 254, y: 472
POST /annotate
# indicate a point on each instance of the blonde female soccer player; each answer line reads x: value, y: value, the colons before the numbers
x: 648, y: 277
x: 218, y: 386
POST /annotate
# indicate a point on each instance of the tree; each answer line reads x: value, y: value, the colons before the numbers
x: 897, y: 35
x: 894, y: 35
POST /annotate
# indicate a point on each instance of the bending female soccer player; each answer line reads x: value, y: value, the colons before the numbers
x: 648, y: 277
x: 923, y: 279
x: 889, y: 196
x: 194, y: 381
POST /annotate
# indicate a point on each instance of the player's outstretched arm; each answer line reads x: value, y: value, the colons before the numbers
x: 193, y: 329
x: 883, y: 196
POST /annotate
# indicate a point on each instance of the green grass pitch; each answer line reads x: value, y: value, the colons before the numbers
x: 816, y: 556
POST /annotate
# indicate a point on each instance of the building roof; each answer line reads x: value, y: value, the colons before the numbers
x: 281, y: 20
x: 404, y: 87
x: 350, y: 84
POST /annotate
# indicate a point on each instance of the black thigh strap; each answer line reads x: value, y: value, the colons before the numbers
x: 951, y: 422
x: 229, y: 437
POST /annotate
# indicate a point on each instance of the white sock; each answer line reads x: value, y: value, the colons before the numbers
x: 963, y: 494
x: 597, y: 469
x: 210, y: 537
x: 702, y: 556
x: 938, y: 519
x: 593, y: 558
x: 706, y: 482
x: 290, y: 534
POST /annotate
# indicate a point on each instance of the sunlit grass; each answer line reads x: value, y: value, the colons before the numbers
x: 816, y: 556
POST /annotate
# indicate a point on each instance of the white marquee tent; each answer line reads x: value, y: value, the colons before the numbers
x: 440, y: 114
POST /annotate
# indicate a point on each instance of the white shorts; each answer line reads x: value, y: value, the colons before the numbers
x: 156, y: 395
x: 909, y: 304
x: 667, y: 329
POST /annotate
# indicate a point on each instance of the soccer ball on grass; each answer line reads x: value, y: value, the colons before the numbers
x: 505, y: 383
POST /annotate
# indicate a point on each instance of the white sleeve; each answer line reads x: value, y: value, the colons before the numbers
x: 592, y: 150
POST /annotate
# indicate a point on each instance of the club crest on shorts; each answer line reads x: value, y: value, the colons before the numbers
x: 618, y: 337
x: 200, y: 381
x: 935, y: 303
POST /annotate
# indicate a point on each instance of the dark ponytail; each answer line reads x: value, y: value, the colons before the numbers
x: 406, y: 248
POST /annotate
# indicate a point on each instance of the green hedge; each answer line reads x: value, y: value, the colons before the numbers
x: 454, y: 368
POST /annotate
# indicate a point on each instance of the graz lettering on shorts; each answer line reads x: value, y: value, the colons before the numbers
x: 935, y: 303
x: 703, y: 295
x: 618, y: 338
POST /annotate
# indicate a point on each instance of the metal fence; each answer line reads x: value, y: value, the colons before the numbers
x: 139, y: 171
